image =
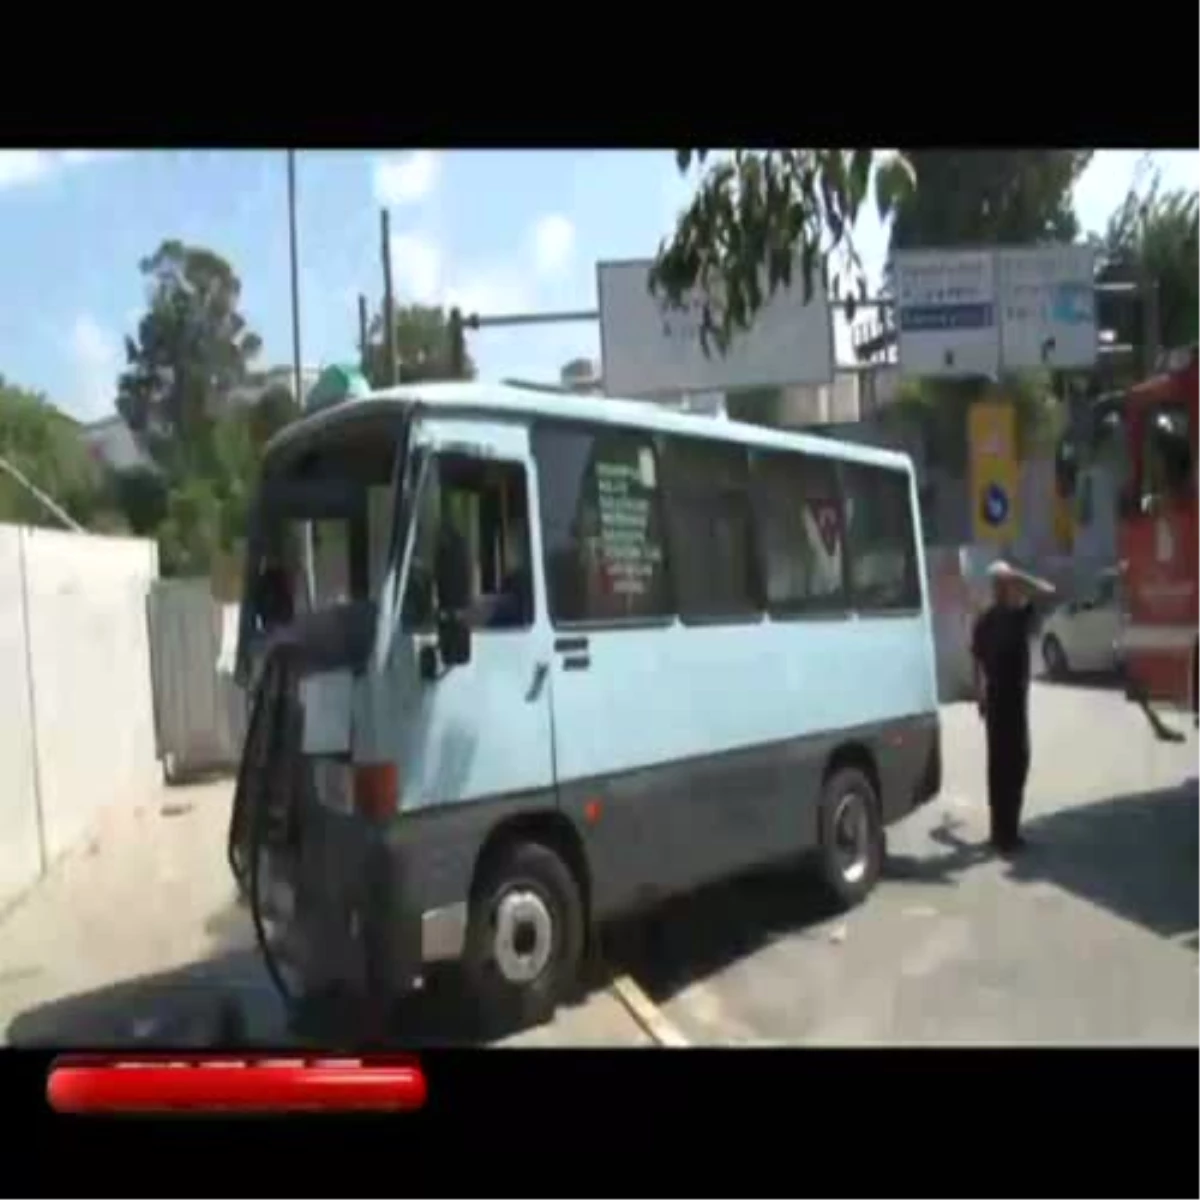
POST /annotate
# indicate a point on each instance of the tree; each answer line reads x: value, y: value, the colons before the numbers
x: 989, y: 197
x: 756, y: 214
x: 140, y: 495
x: 192, y: 350
x: 274, y: 409
x: 1152, y: 239
x: 47, y: 448
x: 423, y: 346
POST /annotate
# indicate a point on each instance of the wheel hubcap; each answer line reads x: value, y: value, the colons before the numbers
x: 524, y: 936
x: 852, y: 837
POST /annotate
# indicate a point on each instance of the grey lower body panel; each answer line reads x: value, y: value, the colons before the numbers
x: 376, y: 905
x: 670, y: 828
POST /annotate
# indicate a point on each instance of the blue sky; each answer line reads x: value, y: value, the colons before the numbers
x: 491, y: 231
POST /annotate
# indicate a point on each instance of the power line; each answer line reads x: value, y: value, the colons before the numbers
x: 40, y: 496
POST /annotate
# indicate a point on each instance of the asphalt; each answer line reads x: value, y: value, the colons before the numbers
x: 1089, y: 937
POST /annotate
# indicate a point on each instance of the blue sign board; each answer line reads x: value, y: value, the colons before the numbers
x: 995, y: 505
x: 926, y: 318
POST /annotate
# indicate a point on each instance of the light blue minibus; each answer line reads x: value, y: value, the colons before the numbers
x: 526, y: 662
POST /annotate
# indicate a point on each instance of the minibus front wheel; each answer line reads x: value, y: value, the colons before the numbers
x: 525, y: 937
x: 851, y: 836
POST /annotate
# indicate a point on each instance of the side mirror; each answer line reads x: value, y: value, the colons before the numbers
x: 454, y: 639
x: 452, y: 573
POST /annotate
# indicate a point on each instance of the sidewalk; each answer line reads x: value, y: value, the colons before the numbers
x: 131, y: 916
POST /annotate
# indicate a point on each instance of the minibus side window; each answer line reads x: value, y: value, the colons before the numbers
x: 602, y: 526
x: 881, y: 539
x: 711, y: 523
x: 802, y: 533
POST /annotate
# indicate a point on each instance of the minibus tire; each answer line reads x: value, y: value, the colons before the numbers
x: 529, y: 867
x: 849, y: 878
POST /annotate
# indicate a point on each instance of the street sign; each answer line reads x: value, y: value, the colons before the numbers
x: 649, y: 350
x: 1047, y: 303
x: 946, y: 312
x: 994, y: 471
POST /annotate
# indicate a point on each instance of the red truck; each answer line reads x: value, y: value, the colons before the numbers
x: 1157, y: 531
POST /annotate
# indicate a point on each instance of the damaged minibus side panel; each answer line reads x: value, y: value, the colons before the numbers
x: 322, y: 543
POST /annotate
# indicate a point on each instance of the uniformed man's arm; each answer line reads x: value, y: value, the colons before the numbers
x: 977, y: 639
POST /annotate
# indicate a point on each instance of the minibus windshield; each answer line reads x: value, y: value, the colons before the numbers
x: 324, y: 532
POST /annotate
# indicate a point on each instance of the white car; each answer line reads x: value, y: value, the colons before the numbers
x: 1081, y: 635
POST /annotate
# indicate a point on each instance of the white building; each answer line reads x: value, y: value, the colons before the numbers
x: 112, y: 442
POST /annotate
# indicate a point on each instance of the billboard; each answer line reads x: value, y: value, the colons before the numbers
x: 946, y: 312
x: 980, y: 312
x: 649, y: 350
x: 1047, y: 303
x: 993, y: 471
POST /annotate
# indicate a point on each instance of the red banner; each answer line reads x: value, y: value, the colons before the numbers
x: 828, y: 521
x: 153, y: 1084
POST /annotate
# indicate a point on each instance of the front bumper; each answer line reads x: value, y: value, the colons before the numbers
x: 359, y: 921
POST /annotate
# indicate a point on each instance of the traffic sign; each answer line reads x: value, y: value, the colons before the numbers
x: 980, y: 312
x: 1047, y: 303
x: 994, y: 471
x: 996, y: 504
x: 946, y: 312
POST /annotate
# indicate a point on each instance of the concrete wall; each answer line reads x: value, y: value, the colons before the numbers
x: 20, y: 840
x: 75, y: 691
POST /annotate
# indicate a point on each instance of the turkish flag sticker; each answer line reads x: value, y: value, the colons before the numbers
x: 826, y: 519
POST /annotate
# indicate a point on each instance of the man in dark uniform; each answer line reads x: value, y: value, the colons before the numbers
x: 1000, y: 646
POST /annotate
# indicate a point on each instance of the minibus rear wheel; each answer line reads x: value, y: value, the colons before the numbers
x: 851, y: 836
x: 525, y: 937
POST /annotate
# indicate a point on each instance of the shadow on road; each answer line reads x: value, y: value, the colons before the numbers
x: 1099, y: 681
x: 942, y: 869
x: 228, y: 1000
x: 181, y: 1009
x: 694, y: 936
x: 1134, y: 855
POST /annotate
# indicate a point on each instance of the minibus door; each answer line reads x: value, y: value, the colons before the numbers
x: 480, y: 728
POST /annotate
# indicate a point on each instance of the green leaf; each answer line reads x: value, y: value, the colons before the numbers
x: 859, y: 177
x: 894, y: 183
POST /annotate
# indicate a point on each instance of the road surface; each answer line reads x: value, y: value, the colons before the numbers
x: 1090, y: 937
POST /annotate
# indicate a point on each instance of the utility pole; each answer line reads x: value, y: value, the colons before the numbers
x: 295, y: 264
x: 363, y: 360
x: 458, y: 348
x: 389, y: 301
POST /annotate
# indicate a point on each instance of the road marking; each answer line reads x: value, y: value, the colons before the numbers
x: 646, y: 1013
x: 705, y: 1006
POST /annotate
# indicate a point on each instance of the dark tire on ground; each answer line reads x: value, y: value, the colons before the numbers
x: 851, y: 846
x: 525, y: 938
x: 1054, y: 657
